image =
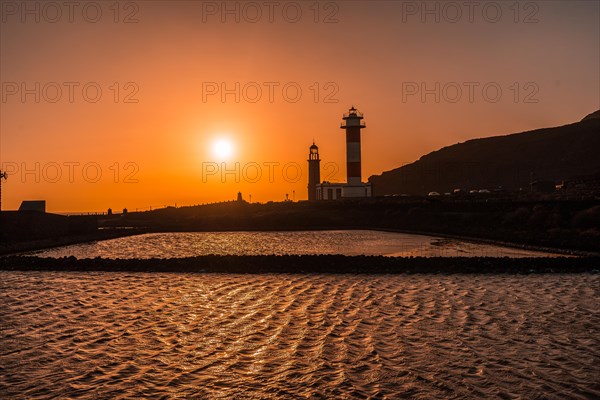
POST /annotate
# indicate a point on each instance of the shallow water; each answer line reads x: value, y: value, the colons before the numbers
x: 120, y: 335
x: 189, y: 244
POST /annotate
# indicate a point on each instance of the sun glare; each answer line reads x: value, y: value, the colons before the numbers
x: 222, y: 149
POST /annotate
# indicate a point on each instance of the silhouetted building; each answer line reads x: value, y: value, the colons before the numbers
x: 32, y: 225
x: 314, y: 171
x: 239, y: 197
x: 330, y: 191
x: 33, y: 205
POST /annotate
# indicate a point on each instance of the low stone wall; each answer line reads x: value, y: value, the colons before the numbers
x: 334, y: 264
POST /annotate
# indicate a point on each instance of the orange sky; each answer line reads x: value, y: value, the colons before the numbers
x: 371, y: 53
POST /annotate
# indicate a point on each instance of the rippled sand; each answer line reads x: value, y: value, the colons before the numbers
x: 119, y: 335
x: 354, y: 242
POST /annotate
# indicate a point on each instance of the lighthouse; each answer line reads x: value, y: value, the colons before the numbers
x: 353, y: 123
x: 314, y: 171
x: 353, y: 187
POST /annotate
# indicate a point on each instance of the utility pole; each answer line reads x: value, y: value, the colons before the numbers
x: 4, y: 176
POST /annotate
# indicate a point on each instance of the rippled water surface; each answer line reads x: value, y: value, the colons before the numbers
x: 120, y: 335
x: 189, y: 244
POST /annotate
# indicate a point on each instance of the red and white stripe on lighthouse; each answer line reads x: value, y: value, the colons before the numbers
x: 353, y: 123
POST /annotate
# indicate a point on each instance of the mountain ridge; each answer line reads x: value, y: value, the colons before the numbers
x: 512, y: 161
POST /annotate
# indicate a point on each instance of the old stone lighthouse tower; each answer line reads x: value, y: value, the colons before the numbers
x: 314, y: 172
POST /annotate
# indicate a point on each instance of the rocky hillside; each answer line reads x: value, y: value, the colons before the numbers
x: 511, y: 161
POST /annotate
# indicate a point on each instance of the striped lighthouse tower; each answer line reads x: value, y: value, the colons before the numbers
x: 353, y: 123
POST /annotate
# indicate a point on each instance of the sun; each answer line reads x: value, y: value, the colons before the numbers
x: 222, y: 149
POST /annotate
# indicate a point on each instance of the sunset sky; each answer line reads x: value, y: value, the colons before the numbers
x: 152, y: 134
